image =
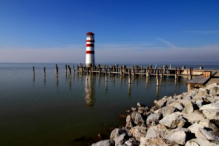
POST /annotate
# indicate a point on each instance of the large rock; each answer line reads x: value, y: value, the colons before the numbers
x: 104, y: 143
x: 177, y: 136
x: 153, y: 119
x: 211, y: 86
x: 199, y: 103
x: 214, y: 106
x: 167, y: 110
x: 119, y: 136
x: 211, y: 111
x: 188, y: 106
x: 152, y: 142
x: 213, y: 99
x: 214, y: 91
x: 178, y: 97
x: 196, y: 116
x: 158, y: 131
x: 174, y: 120
x: 177, y: 105
x: 202, y: 92
x: 207, y: 123
x: 192, y: 93
x: 211, y: 114
x: 120, y: 139
x: 205, y: 133
x: 209, y: 134
x: 200, y: 142
x: 131, y: 142
x: 160, y: 103
x: 137, y: 119
x: 129, y: 122
x: 195, y: 128
x: 137, y: 132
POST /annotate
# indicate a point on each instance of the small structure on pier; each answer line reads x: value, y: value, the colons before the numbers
x: 90, y: 57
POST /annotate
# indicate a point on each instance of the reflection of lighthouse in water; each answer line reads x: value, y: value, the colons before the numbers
x: 89, y: 91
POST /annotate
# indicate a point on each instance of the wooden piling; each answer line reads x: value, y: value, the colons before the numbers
x: 147, y: 72
x: 176, y: 74
x: 44, y: 71
x: 129, y: 76
x: 133, y: 71
x: 33, y: 74
x: 191, y: 72
x: 66, y: 69
x: 57, y: 70
x: 157, y: 77
x: 161, y: 73
x: 33, y: 71
x: 141, y: 70
x: 121, y: 71
x: 99, y: 68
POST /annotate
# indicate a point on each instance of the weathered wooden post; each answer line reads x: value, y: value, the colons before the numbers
x: 170, y: 66
x: 176, y: 74
x: 106, y: 69
x: 99, y: 68
x: 141, y: 70
x: 121, y: 71
x: 77, y: 68
x: 44, y: 69
x: 129, y: 76
x: 133, y: 71
x: 161, y: 73
x: 33, y: 71
x: 157, y: 77
x: 164, y: 69
x: 137, y: 69
x: 190, y: 73
x: 189, y: 87
x: 66, y: 69
x: 33, y: 74
x: 57, y: 70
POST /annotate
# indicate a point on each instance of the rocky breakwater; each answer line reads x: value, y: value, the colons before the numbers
x: 191, y: 119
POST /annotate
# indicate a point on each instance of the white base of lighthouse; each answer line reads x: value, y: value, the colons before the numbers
x: 90, y: 60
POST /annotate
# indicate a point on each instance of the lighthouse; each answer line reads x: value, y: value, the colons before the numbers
x: 90, y: 58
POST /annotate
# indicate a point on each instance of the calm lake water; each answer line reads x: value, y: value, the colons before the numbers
x: 67, y: 111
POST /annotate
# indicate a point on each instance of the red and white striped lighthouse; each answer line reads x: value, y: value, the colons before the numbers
x: 90, y: 58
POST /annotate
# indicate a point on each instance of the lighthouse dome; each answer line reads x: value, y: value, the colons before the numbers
x: 90, y: 33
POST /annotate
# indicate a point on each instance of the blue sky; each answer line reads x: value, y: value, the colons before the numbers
x: 125, y: 30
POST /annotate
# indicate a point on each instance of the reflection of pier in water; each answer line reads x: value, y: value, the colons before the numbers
x: 110, y: 81
x: 89, y: 90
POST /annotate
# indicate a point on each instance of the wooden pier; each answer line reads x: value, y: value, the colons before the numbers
x: 141, y: 71
x: 196, y: 77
